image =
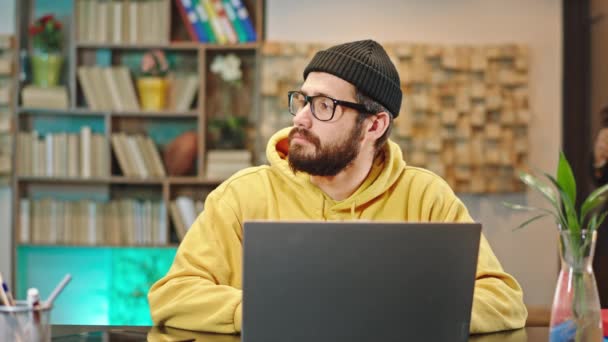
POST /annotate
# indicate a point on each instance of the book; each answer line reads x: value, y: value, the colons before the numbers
x: 86, y: 84
x: 156, y: 160
x: 186, y: 209
x: 45, y: 97
x: 187, y: 87
x: 190, y: 19
x: 216, y: 26
x: 224, y: 21
x: 243, y: 15
x: 24, y: 220
x: 85, y: 152
x: 203, y: 18
x: 178, y: 223
x: 126, y: 87
x: 236, y: 23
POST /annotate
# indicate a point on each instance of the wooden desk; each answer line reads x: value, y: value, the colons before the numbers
x: 115, y: 333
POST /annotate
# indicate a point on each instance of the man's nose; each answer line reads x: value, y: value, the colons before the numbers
x: 303, y: 117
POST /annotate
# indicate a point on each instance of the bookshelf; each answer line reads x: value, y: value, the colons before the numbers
x: 7, y: 76
x: 54, y: 190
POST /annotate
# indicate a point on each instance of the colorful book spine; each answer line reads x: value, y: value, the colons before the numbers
x: 190, y: 19
x: 236, y: 23
x: 204, y: 19
x: 216, y: 26
x: 243, y: 15
x: 224, y: 21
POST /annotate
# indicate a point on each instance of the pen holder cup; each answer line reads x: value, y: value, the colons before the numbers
x: 22, y: 323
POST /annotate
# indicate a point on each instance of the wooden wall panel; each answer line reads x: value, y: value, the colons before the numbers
x: 464, y: 115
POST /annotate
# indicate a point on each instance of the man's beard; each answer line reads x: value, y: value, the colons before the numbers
x: 324, y: 160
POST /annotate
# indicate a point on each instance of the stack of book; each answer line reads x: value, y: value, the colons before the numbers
x: 108, y: 88
x: 183, y: 211
x: 223, y: 163
x: 5, y: 154
x: 182, y: 92
x: 117, y: 222
x: 6, y: 128
x: 217, y: 21
x: 81, y: 155
x: 44, y: 97
x: 137, y: 156
x: 121, y: 22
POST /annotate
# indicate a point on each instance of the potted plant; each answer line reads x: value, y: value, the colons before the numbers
x: 46, y: 59
x: 152, y: 83
x: 227, y: 130
x: 576, y: 312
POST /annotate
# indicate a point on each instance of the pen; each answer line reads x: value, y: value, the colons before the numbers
x: 33, y: 303
x: 3, y: 296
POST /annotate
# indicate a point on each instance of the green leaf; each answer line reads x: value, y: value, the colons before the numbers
x: 525, y: 223
x: 571, y: 219
x: 528, y: 208
x: 593, y: 200
x: 565, y: 177
x: 541, y: 187
x: 602, y: 218
x: 595, y: 222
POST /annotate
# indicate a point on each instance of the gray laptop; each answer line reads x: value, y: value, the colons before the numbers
x: 358, y: 281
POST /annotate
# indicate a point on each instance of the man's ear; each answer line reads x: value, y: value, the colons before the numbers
x: 378, y: 125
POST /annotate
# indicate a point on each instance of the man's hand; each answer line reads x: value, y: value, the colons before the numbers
x: 600, y: 152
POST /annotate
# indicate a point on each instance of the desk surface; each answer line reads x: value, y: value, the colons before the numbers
x: 74, y: 333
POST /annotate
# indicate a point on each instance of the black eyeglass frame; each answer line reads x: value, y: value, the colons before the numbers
x: 308, y: 99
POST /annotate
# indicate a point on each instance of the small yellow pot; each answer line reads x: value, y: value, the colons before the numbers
x: 152, y: 92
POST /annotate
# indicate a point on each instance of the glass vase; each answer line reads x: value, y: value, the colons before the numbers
x: 46, y: 68
x: 576, y: 311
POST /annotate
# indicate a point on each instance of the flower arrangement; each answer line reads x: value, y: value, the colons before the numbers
x: 228, y: 67
x: 46, y: 34
x: 575, y: 314
x: 226, y: 130
x: 152, y: 84
x: 154, y: 64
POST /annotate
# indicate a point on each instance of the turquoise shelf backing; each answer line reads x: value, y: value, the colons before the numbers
x: 109, y: 284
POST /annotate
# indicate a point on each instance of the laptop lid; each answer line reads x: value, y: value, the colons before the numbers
x: 358, y: 281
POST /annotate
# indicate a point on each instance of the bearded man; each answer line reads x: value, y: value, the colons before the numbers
x: 335, y: 163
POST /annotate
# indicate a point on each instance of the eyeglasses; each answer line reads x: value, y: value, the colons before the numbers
x: 322, y: 107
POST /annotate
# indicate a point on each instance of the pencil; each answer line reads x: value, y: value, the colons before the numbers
x: 3, y: 296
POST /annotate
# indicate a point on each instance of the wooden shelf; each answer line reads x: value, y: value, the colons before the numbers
x: 128, y: 46
x: 120, y: 180
x: 68, y: 111
x: 170, y: 46
x: 61, y: 180
x: 80, y: 111
x: 135, y: 180
x: 238, y: 46
x: 194, y: 181
x: 157, y: 114
x: 170, y: 245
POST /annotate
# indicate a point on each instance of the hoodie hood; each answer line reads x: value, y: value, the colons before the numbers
x: 386, y: 170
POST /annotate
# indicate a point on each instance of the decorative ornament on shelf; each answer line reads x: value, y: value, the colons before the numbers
x: 47, y: 59
x: 576, y: 312
x: 227, y: 130
x: 180, y: 154
x: 152, y: 83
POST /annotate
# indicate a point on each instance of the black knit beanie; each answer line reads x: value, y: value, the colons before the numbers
x: 366, y: 65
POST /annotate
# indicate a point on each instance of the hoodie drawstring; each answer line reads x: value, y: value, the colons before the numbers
x: 352, y: 211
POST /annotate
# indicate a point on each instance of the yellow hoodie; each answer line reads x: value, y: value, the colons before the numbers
x: 202, y: 290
